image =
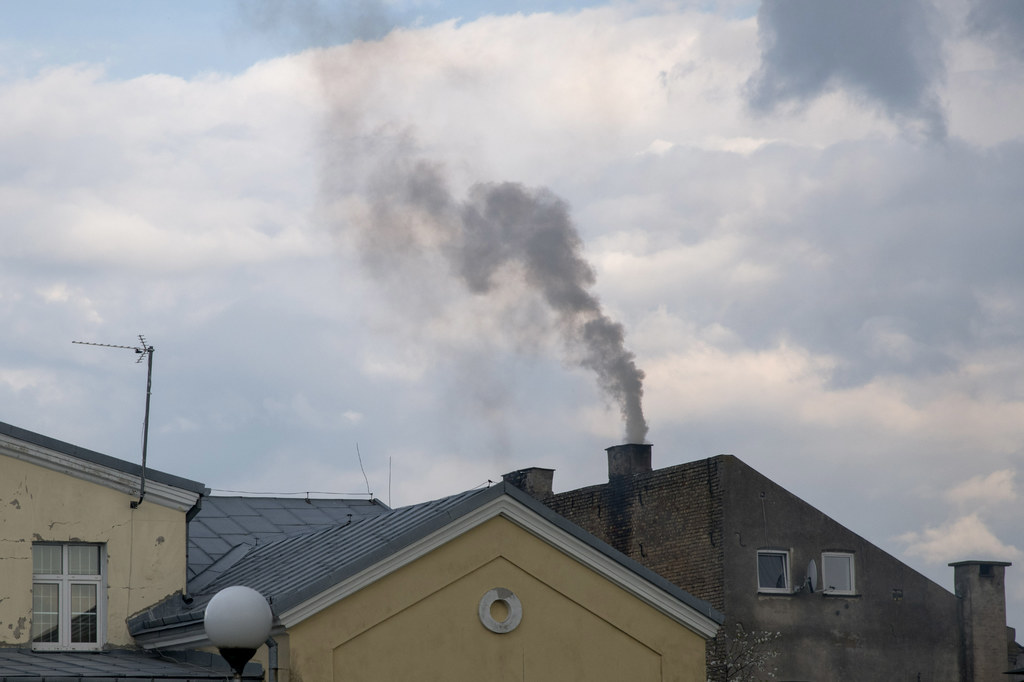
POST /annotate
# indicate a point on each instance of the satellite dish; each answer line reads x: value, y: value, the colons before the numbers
x: 812, y: 576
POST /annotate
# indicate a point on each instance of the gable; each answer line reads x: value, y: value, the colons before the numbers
x: 374, y: 550
x: 576, y: 623
x: 306, y: 574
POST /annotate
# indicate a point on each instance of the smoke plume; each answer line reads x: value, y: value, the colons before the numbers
x: 413, y: 217
x: 413, y: 224
x: 501, y: 227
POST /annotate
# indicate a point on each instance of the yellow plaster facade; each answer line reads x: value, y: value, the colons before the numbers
x: 144, y: 548
x: 421, y: 622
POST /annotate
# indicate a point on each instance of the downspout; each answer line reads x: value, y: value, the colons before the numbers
x: 271, y: 660
x: 189, y: 515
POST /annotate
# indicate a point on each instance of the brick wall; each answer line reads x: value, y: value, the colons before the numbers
x: 669, y: 520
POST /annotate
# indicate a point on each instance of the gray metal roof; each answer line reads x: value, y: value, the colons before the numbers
x: 101, y: 459
x: 225, y: 523
x: 294, y: 568
x: 119, y: 664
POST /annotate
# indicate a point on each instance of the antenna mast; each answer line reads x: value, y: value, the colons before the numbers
x: 144, y: 351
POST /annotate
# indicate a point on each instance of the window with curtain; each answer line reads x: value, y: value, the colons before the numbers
x: 772, y: 571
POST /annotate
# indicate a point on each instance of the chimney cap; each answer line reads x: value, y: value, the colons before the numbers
x: 534, y: 481
x: 628, y: 459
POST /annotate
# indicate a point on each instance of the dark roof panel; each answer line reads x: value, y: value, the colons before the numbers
x: 226, y: 522
x: 224, y: 526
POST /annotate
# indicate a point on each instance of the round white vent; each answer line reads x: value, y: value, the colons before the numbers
x: 512, y: 605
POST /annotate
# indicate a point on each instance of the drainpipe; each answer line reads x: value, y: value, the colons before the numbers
x: 271, y: 660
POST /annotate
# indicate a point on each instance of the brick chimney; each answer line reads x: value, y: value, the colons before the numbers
x: 981, y: 614
x: 628, y: 459
x: 534, y: 481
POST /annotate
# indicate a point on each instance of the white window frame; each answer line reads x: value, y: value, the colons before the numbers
x: 828, y: 589
x: 784, y: 553
x: 64, y: 580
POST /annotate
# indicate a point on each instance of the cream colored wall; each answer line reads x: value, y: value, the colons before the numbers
x: 145, y: 547
x: 421, y: 622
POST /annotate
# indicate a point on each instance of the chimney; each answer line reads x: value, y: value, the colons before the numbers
x: 534, y: 481
x: 981, y: 615
x: 628, y: 459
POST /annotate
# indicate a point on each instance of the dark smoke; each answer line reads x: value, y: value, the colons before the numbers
x: 501, y: 227
x: 414, y: 217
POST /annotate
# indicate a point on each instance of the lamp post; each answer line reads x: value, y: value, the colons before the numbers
x: 237, y: 622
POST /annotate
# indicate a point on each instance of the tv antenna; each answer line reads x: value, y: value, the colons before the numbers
x: 144, y: 351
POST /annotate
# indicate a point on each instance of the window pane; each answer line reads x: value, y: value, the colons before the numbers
x: 47, y: 559
x: 83, y: 613
x: 83, y: 560
x: 837, y: 573
x: 45, y: 612
x: 771, y: 571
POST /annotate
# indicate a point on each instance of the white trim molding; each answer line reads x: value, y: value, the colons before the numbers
x: 129, y: 484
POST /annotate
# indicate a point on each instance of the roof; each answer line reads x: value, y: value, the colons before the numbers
x: 226, y: 523
x: 120, y: 664
x: 295, y: 571
x: 97, y: 458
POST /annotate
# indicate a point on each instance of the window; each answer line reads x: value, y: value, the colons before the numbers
x: 67, y: 596
x: 772, y: 570
x: 837, y: 572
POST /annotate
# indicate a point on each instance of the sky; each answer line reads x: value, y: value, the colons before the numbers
x: 403, y: 248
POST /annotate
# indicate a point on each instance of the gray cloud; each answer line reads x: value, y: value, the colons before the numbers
x: 893, y: 258
x: 889, y: 52
x: 1001, y: 20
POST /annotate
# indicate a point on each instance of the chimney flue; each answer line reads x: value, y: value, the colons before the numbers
x: 982, y: 616
x: 628, y: 459
x: 534, y: 481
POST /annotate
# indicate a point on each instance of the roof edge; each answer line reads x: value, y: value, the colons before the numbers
x: 519, y: 508
x: 162, y: 488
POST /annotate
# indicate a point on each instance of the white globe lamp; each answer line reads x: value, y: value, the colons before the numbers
x: 237, y: 622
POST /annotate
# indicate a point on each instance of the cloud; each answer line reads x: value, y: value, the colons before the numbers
x: 998, y: 487
x: 802, y: 291
x: 104, y: 186
x: 888, y: 52
x: 962, y: 539
x: 999, y: 20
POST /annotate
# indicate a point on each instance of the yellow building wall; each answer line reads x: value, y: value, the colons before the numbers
x: 145, y: 547
x: 421, y: 622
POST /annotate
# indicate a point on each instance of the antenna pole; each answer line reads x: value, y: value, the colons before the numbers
x: 148, y: 350
x: 143, y: 350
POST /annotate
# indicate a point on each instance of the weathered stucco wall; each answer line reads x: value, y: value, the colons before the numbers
x: 421, y: 622
x: 145, y: 547
x: 897, y: 626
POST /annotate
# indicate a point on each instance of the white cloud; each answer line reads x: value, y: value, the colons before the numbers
x: 998, y: 487
x: 159, y: 173
x: 806, y: 289
x: 962, y: 539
